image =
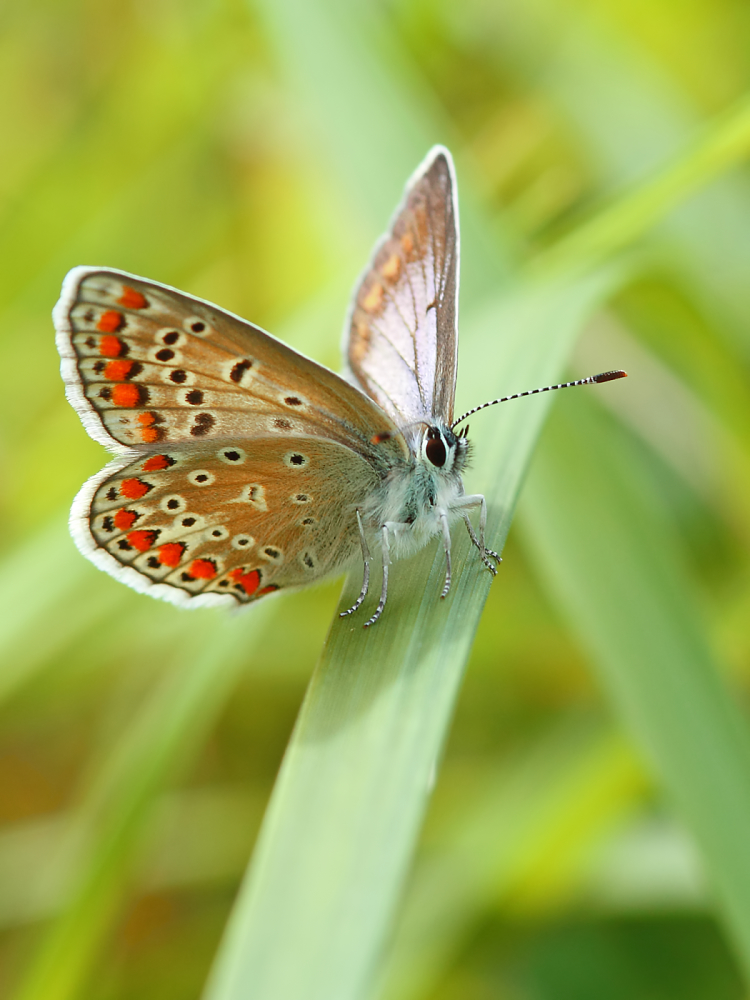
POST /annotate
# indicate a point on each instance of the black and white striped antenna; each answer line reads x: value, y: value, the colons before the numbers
x: 602, y: 377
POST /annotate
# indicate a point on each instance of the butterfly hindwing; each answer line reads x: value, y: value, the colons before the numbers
x: 401, y: 341
x: 205, y: 525
x: 147, y: 365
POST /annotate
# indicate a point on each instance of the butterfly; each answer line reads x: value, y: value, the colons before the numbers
x: 242, y: 467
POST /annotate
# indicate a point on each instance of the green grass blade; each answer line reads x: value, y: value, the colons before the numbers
x: 602, y: 541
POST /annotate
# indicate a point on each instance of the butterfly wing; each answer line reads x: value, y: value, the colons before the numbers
x: 402, y: 342
x: 145, y: 364
x: 218, y: 525
x: 241, y: 461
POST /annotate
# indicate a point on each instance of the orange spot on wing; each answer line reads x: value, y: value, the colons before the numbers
x: 117, y: 370
x: 142, y: 540
x: 125, y: 519
x: 248, y: 581
x: 134, y: 489
x: 126, y: 394
x: 373, y: 301
x: 407, y: 243
x: 156, y: 462
x: 131, y: 299
x: 392, y: 267
x: 111, y: 347
x: 171, y: 554
x: 110, y: 321
x: 268, y: 590
x: 202, y: 569
x: 149, y: 434
x: 359, y: 344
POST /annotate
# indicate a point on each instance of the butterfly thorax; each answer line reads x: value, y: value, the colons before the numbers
x: 413, y: 493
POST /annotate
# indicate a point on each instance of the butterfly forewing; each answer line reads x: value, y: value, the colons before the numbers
x: 148, y: 365
x: 402, y: 339
x: 226, y: 520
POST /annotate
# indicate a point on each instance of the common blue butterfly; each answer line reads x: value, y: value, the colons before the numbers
x: 243, y: 467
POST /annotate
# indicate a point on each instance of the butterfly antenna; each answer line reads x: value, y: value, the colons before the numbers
x: 602, y: 377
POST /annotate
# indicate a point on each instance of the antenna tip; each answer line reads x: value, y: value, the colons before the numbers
x: 610, y: 376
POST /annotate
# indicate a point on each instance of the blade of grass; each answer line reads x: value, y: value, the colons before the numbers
x: 602, y: 541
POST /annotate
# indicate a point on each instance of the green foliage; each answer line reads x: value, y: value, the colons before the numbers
x: 251, y: 155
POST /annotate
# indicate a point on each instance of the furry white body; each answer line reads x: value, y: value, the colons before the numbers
x: 414, y: 497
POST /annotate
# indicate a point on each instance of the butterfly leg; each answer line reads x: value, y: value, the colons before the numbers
x: 485, y: 554
x: 366, y: 580
x: 386, y: 549
x: 443, y: 515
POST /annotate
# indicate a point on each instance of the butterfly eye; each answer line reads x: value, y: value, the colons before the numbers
x: 434, y: 449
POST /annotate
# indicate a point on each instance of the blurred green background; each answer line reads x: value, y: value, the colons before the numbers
x: 175, y: 140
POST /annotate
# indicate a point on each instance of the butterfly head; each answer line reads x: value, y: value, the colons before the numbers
x: 444, y: 450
